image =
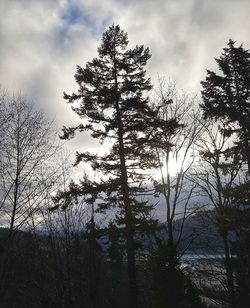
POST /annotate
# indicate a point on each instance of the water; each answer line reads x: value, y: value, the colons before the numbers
x: 216, y: 260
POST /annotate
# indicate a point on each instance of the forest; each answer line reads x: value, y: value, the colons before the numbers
x: 155, y: 215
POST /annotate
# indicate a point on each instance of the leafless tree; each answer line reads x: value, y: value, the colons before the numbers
x: 27, y: 147
x: 176, y: 156
x: 26, y: 154
x: 77, y: 266
x: 219, y: 172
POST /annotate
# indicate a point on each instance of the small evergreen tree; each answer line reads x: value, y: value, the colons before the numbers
x: 170, y: 286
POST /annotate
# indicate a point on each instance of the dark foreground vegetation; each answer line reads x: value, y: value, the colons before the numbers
x: 96, y: 242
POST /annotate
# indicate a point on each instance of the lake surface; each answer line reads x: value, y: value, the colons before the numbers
x: 204, y: 259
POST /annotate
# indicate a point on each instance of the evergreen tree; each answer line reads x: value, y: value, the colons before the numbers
x: 226, y: 96
x: 113, y: 101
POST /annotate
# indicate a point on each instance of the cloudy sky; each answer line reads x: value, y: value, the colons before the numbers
x: 41, y: 41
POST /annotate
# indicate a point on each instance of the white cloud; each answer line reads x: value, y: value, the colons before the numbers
x: 185, y: 36
x: 43, y: 40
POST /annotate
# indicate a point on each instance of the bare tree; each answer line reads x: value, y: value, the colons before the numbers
x: 76, y: 256
x: 27, y: 148
x: 175, y: 150
x: 218, y: 174
x: 176, y: 155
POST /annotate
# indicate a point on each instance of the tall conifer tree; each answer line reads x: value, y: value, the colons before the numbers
x: 113, y: 100
x: 226, y: 96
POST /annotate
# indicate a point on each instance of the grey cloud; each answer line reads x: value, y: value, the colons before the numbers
x: 41, y: 42
x: 185, y: 36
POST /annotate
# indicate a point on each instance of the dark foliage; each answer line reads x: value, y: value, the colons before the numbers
x: 227, y: 95
x: 113, y: 101
x: 170, y: 287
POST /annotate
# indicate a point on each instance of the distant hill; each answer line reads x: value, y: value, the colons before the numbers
x: 203, y: 232
x: 204, y: 235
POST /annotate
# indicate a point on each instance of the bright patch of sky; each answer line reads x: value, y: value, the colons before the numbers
x: 42, y: 41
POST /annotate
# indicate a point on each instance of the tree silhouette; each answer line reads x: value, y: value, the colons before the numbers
x: 227, y: 95
x: 113, y: 101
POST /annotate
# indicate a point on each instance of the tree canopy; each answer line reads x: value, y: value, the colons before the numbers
x: 113, y: 101
x: 226, y: 95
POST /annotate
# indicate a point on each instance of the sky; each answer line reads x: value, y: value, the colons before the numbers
x: 42, y: 41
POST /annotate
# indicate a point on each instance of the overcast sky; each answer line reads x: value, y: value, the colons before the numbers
x: 41, y: 41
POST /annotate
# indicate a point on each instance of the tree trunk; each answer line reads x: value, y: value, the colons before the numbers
x: 229, y: 272
x: 247, y: 150
x: 171, y: 246
x: 129, y: 227
x: 128, y: 215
